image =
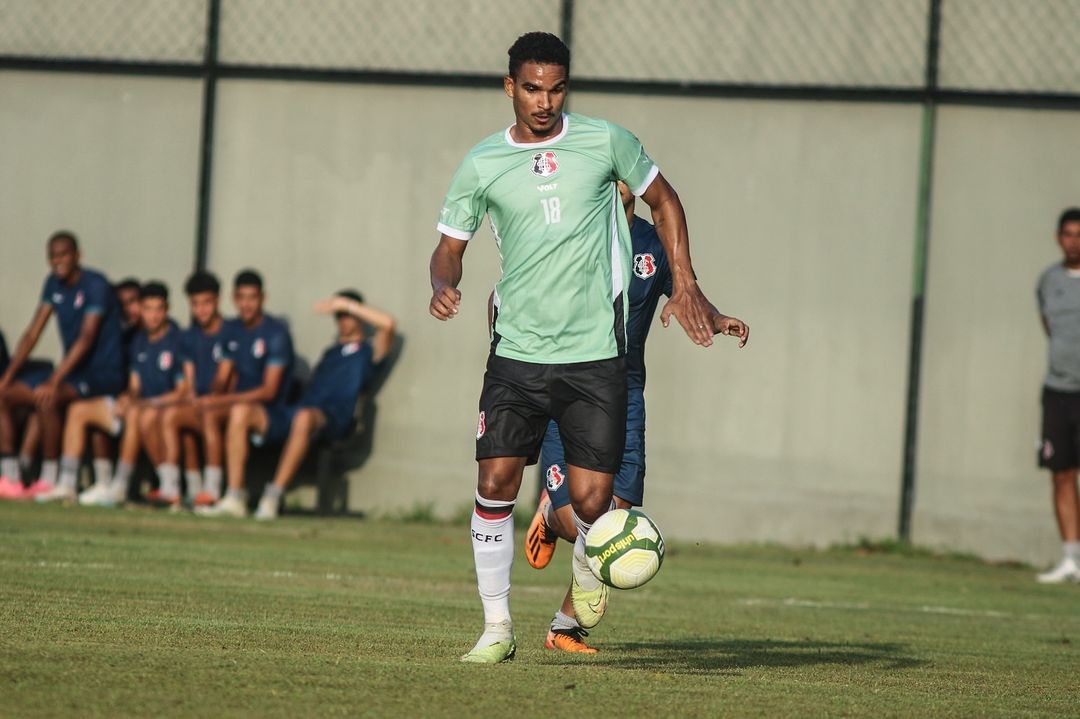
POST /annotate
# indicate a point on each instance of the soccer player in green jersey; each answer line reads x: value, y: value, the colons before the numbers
x: 547, y: 183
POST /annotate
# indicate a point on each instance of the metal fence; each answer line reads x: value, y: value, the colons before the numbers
x: 985, y: 46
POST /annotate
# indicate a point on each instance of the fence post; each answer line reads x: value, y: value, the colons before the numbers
x: 206, y: 140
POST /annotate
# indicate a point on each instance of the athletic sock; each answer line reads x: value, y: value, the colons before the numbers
x: 563, y: 622
x: 1072, y: 551
x: 213, y: 481
x: 9, y: 467
x: 103, y: 471
x: 492, y: 531
x: 235, y: 494
x: 272, y: 491
x: 193, y: 480
x: 50, y: 468
x: 69, y: 472
x: 169, y: 476
x: 121, y: 479
x: 584, y: 576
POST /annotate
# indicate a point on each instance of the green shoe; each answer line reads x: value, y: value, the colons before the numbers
x: 589, y: 606
x: 496, y: 644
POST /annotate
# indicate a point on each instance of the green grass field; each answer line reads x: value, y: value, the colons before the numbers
x: 128, y: 612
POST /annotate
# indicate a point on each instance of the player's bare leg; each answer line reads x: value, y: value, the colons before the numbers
x: 82, y: 416
x: 101, y: 447
x: 51, y: 414
x: 192, y: 466
x: 1067, y: 512
x: 16, y: 396
x: 244, y: 419
x: 212, y: 425
x: 492, y: 530
x: 305, y: 424
x: 178, y: 424
x: 590, y: 497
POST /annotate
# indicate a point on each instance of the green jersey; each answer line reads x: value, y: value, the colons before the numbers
x: 562, y: 236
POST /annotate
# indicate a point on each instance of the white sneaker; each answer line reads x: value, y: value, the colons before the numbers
x: 95, y: 495
x: 268, y: 508
x: 1067, y: 571
x: 227, y: 506
x: 59, y: 493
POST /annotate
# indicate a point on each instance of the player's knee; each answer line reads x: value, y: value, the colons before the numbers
x: 590, y: 502
x: 494, y: 483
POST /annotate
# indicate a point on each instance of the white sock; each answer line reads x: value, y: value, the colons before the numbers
x: 584, y: 576
x: 103, y: 471
x: 1072, y: 551
x: 121, y: 479
x: 9, y: 467
x: 50, y: 469
x: 169, y: 475
x: 564, y: 621
x: 193, y: 480
x: 69, y: 472
x: 493, y: 554
x: 213, y: 481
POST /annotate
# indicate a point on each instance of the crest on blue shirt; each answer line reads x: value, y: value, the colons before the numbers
x: 258, y: 348
x: 644, y: 265
x: 79, y: 299
x: 350, y: 349
x: 165, y: 361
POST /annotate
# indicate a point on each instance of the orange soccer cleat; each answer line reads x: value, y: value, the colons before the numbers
x: 568, y: 640
x: 540, y: 540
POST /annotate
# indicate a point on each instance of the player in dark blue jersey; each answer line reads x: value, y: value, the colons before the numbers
x: 133, y: 415
x: 258, y: 359
x: 203, y: 349
x: 325, y: 410
x: 92, y: 365
x: 651, y: 279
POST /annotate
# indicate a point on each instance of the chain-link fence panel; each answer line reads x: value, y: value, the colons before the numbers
x: 126, y: 30
x: 1010, y: 45
x: 464, y: 36
x: 835, y: 43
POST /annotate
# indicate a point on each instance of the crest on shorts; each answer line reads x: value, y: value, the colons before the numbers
x: 481, y: 425
x: 1047, y: 449
x: 555, y: 477
x: 644, y: 265
x: 165, y: 361
x: 545, y: 164
x: 258, y: 348
x: 80, y: 298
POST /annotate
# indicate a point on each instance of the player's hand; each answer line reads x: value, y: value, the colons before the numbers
x: 693, y: 312
x: 732, y: 327
x: 45, y: 394
x: 444, y: 303
x: 325, y: 307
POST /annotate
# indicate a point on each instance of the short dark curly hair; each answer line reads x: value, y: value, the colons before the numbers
x: 539, y: 47
x: 1070, y: 215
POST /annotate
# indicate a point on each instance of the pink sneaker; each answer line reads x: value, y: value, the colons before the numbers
x: 38, y: 487
x: 11, y: 489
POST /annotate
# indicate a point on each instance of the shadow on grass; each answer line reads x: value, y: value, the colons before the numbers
x: 715, y: 656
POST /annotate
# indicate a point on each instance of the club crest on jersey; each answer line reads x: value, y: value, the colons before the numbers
x: 545, y: 164
x: 555, y: 478
x: 80, y: 298
x: 258, y: 348
x: 350, y: 349
x: 217, y: 352
x: 644, y: 265
x: 165, y: 361
x: 481, y: 426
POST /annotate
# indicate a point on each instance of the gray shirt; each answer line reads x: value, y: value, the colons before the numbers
x: 1058, y: 293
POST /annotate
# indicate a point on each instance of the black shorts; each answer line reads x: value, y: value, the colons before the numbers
x: 586, y: 399
x: 1060, y: 446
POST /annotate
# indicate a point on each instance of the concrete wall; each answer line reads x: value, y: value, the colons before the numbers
x: 1001, y: 180
x: 802, y: 219
x: 112, y: 158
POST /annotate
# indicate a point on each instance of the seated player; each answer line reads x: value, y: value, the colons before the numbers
x: 259, y: 351
x: 127, y: 298
x: 133, y: 414
x: 325, y: 410
x: 203, y: 349
x: 554, y: 517
x: 92, y: 364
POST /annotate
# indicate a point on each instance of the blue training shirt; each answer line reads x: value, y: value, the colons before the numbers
x: 340, y: 375
x: 651, y: 278
x: 204, y: 352
x: 253, y: 350
x: 92, y: 294
x: 158, y: 363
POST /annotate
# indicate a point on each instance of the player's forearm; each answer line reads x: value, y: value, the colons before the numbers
x: 366, y: 313
x: 670, y: 221
x: 446, y: 268
x: 27, y: 342
x: 71, y: 360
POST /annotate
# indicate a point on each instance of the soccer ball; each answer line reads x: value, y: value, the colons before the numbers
x: 624, y: 548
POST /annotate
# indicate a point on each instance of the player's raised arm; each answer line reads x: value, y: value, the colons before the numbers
x: 446, y: 268
x: 687, y: 302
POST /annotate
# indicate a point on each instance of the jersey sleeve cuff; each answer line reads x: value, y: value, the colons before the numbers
x: 640, y: 189
x: 454, y: 232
